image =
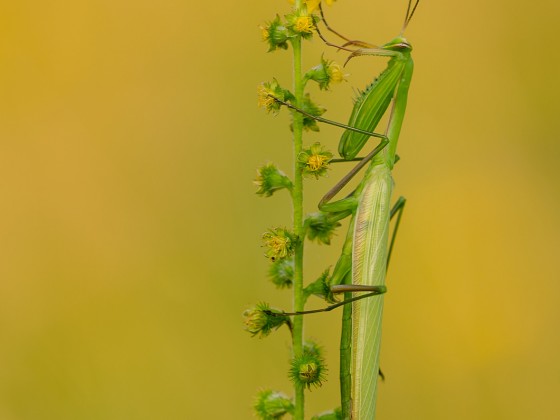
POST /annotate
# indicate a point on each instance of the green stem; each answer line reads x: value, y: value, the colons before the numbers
x: 299, y: 300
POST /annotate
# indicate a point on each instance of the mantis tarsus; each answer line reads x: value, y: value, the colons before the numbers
x: 363, y: 263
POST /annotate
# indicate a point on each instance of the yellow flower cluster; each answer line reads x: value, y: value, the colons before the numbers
x: 316, y: 162
x: 304, y: 24
x: 265, y: 33
x: 265, y: 99
x: 278, y: 245
x: 335, y: 73
x: 313, y: 4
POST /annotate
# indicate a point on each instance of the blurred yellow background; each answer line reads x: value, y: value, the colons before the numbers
x: 129, y: 227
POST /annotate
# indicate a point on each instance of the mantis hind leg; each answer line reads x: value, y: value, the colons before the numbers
x: 373, y: 291
x: 398, y: 211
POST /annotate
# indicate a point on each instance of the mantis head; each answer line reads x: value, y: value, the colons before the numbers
x: 399, y: 43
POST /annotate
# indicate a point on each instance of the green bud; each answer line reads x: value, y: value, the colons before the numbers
x: 281, y: 273
x: 320, y: 227
x: 272, y: 405
x: 309, y: 368
x: 320, y: 288
x: 325, y: 73
x: 311, y: 108
x: 335, y: 414
x: 276, y: 34
x: 262, y: 319
x: 270, y: 179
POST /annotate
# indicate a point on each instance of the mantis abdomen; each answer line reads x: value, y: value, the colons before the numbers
x: 369, y: 266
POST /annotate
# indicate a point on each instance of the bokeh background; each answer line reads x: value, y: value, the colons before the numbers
x: 129, y: 227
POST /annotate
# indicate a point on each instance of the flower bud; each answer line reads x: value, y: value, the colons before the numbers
x: 262, y: 319
x: 325, y: 73
x: 281, y: 273
x: 335, y: 414
x: 321, y: 287
x: 313, y: 109
x: 272, y: 405
x: 276, y: 34
x: 309, y: 368
x: 320, y: 227
x: 270, y: 179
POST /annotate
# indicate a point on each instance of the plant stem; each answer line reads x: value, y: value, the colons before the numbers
x: 297, y: 335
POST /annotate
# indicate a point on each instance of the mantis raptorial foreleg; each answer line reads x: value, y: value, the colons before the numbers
x: 357, y: 43
x: 327, y: 121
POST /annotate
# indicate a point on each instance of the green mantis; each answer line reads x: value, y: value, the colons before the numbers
x: 362, y: 265
x: 365, y: 254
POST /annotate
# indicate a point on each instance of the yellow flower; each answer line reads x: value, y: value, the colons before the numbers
x: 304, y: 24
x: 316, y: 162
x: 265, y: 34
x: 264, y: 98
x: 262, y: 319
x: 312, y: 5
x: 280, y: 244
x: 335, y: 73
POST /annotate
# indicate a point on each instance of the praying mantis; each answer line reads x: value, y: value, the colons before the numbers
x: 363, y: 263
